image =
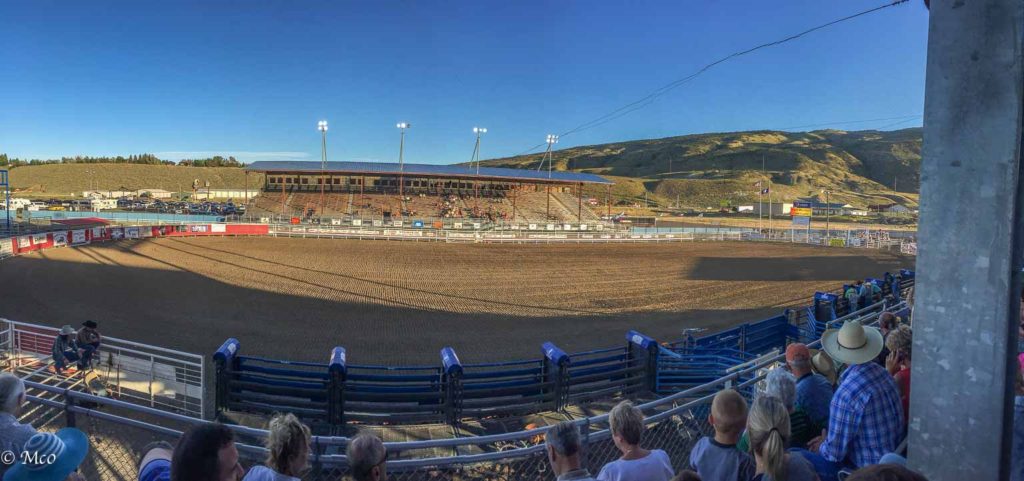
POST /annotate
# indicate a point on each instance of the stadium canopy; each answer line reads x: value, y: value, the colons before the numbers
x: 427, y: 170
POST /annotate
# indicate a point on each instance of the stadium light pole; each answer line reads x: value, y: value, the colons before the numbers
x: 322, y: 127
x: 551, y: 140
x: 476, y: 149
x: 828, y: 211
x: 402, y: 126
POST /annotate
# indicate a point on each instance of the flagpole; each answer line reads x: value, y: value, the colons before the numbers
x: 769, y: 209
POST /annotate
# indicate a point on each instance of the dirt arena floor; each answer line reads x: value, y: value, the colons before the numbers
x: 399, y: 303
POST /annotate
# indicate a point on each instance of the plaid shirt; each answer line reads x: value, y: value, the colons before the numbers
x: 866, y: 417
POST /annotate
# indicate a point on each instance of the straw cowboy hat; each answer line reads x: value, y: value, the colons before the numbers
x: 67, y: 330
x: 852, y: 343
x: 822, y: 364
x: 54, y: 456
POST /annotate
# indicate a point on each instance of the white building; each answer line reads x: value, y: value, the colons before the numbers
x: 774, y: 208
x: 117, y: 194
x: 234, y: 194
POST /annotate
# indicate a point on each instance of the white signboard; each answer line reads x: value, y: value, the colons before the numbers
x: 6, y: 247
x: 551, y: 227
x: 218, y: 228
x: 378, y: 223
x: 60, y: 239
x: 39, y: 238
x: 567, y: 227
x: 583, y: 226
x: 357, y: 222
x: 198, y: 228
x: 533, y: 226
x: 77, y: 237
x: 24, y: 242
x: 97, y: 232
x: 396, y: 223
x: 476, y: 225
x: 457, y: 225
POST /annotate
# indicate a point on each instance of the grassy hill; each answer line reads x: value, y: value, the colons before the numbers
x: 64, y: 179
x: 714, y: 169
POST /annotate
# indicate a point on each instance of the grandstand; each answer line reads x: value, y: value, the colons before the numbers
x: 363, y: 190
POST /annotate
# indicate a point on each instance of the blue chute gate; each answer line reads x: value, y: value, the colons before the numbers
x: 394, y: 394
x: 682, y: 370
x: 505, y: 389
x: 267, y: 386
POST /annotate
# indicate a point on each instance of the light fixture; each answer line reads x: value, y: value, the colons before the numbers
x: 479, y: 130
x: 552, y: 139
x: 322, y: 126
x: 403, y: 125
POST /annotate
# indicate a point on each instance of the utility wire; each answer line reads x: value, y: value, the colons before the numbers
x: 649, y: 98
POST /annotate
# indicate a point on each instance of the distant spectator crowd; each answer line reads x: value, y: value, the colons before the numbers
x: 838, y: 413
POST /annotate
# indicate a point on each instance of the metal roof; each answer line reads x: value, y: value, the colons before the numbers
x: 427, y: 170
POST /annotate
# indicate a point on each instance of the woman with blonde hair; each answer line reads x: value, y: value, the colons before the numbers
x: 288, y: 445
x: 636, y: 464
x: 768, y: 428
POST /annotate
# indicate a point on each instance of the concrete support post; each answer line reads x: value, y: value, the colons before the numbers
x: 970, y: 248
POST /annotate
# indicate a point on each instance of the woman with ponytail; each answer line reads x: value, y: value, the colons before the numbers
x: 288, y: 451
x: 768, y: 428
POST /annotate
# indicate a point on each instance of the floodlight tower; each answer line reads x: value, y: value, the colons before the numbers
x: 402, y: 126
x: 552, y: 139
x: 479, y: 131
x: 828, y: 211
x: 322, y: 127
x: 6, y: 185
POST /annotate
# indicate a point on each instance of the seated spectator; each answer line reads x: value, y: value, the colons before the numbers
x: 13, y: 435
x: 897, y: 363
x: 88, y: 342
x: 824, y: 365
x: 887, y: 321
x: 780, y: 384
x: 813, y: 391
x: 718, y: 459
x: 367, y: 458
x: 564, y: 449
x: 636, y: 464
x: 205, y: 452
x: 687, y: 475
x: 885, y: 472
x: 866, y: 418
x: 768, y: 428
x: 54, y: 457
x: 852, y: 295
x: 65, y: 349
x: 288, y: 450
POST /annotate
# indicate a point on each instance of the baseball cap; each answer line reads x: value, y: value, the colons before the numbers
x: 797, y: 350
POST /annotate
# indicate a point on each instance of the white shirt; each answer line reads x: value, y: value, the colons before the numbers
x: 263, y: 473
x: 653, y: 467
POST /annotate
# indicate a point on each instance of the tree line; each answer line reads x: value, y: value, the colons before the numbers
x: 148, y: 159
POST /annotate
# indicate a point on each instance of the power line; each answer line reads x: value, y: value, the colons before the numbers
x: 649, y: 98
x: 895, y: 123
x: 902, y: 118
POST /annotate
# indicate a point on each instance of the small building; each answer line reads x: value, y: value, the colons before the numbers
x: 155, y: 193
x: 898, y: 209
x: 745, y: 209
x: 855, y: 212
x: 774, y: 208
x: 117, y: 194
x: 234, y: 194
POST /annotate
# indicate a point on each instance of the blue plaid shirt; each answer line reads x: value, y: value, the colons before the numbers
x: 865, y: 417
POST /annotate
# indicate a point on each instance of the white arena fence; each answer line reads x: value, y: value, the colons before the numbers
x: 145, y: 375
x: 675, y: 423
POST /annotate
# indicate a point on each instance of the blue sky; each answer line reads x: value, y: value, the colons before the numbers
x: 252, y: 78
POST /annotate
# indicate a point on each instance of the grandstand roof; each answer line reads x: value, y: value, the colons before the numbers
x: 428, y: 170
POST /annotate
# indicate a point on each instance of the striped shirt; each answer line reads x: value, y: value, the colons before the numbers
x: 865, y: 417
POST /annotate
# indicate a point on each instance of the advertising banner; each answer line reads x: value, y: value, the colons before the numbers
x: 801, y: 221
x: 800, y: 212
x: 198, y: 228
x: 24, y: 242
x: 6, y: 247
x: 132, y: 233
x: 97, y: 233
x: 117, y: 233
x: 78, y: 237
x: 218, y: 228
x: 60, y: 239
x: 39, y: 239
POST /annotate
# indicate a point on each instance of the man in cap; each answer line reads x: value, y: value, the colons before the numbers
x: 813, y: 391
x: 88, y: 341
x: 866, y: 417
x: 65, y: 349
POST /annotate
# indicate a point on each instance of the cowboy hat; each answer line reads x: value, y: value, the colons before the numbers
x: 822, y: 364
x: 50, y: 456
x: 852, y: 343
x: 90, y: 324
x: 67, y: 330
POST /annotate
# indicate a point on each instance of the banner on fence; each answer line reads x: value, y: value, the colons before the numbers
x: 60, y: 239
x: 117, y: 233
x: 39, y: 239
x: 198, y: 228
x: 834, y: 242
x: 78, y: 237
x: 218, y: 228
x: 24, y: 242
x: 800, y: 212
x: 801, y: 221
x: 6, y: 247
x: 132, y: 233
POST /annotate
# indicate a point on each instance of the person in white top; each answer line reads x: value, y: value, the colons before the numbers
x: 636, y: 463
x: 288, y: 451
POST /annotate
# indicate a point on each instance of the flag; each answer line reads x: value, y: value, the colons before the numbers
x: 765, y: 191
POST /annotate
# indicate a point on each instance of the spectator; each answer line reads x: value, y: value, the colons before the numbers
x: 564, y: 447
x: 718, y: 459
x: 864, y: 290
x: 822, y: 364
x: 636, y: 464
x: 288, y: 450
x: 205, y: 452
x: 897, y: 363
x: 887, y: 321
x: 885, y: 472
x: 813, y: 391
x: 865, y: 419
x: 54, y: 457
x: 876, y: 292
x: 687, y: 475
x: 780, y: 384
x: 65, y: 349
x: 768, y: 428
x: 13, y: 435
x: 1017, y: 452
x: 852, y: 296
x: 88, y: 342
x: 367, y: 458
